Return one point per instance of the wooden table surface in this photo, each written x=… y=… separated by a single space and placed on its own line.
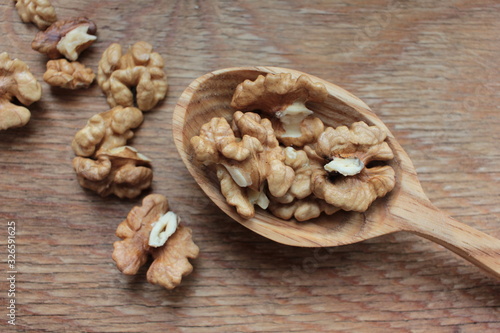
x=429 y=69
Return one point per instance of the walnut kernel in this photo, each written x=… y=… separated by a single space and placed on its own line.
x=39 y=12
x=138 y=68
x=16 y=81
x=67 y=38
x=121 y=171
x=170 y=259
x=69 y=75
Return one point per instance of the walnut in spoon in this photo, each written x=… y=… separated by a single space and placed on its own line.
x=404 y=208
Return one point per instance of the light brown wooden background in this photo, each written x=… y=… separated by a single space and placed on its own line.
x=429 y=69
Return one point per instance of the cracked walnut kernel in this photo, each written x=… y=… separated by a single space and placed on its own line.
x=355 y=147
x=170 y=258
x=244 y=166
x=16 y=81
x=121 y=171
x=283 y=99
x=67 y=38
x=69 y=75
x=39 y=12
x=139 y=69
x=107 y=130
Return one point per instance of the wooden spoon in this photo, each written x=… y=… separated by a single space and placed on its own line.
x=406 y=208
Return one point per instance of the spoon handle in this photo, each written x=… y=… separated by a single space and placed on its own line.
x=425 y=220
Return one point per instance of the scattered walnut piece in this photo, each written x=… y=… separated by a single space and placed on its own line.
x=69 y=75
x=140 y=68
x=170 y=257
x=350 y=184
x=16 y=81
x=121 y=171
x=39 y=12
x=107 y=130
x=67 y=38
x=283 y=98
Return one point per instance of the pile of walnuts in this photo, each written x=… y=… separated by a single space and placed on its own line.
x=103 y=141
x=104 y=162
x=134 y=82
x=58 y=40
x=276 y=154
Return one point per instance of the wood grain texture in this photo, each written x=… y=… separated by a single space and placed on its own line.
x=428 y=69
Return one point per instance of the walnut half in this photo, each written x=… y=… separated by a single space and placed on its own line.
x=170 y=256
x=69 y=75
x=67 y=38
x=139 y=69
x=107 y=130
x=121 y=171
x=346 y=179
x=283 y=99
x=16 y=81
x=39 y=12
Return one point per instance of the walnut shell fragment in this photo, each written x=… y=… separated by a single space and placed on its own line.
x=66 y=38
x=283 y=98
x=170 y=260
x=39 y=12
x=107 y=130
x=68 y=75
x=139 y=69
x=121 y=171
x=16 y=81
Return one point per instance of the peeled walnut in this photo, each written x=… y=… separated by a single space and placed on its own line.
x=283 y=99
x=16 y=81
x=66 y=38
x=121 y=171
x=69 y=75
x=346 y=180
x=139 y=69
x=39 y=12
x=249 y=164
x=107 y=130
x=140 y=232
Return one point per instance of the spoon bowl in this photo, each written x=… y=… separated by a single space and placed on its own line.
x=405 y=208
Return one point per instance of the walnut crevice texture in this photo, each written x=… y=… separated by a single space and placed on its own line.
x=16 y=81
x=66 y=38
x=39 y=12
x=139 y=68
x=170 y=261
x=68 y=75
x=278 y=155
